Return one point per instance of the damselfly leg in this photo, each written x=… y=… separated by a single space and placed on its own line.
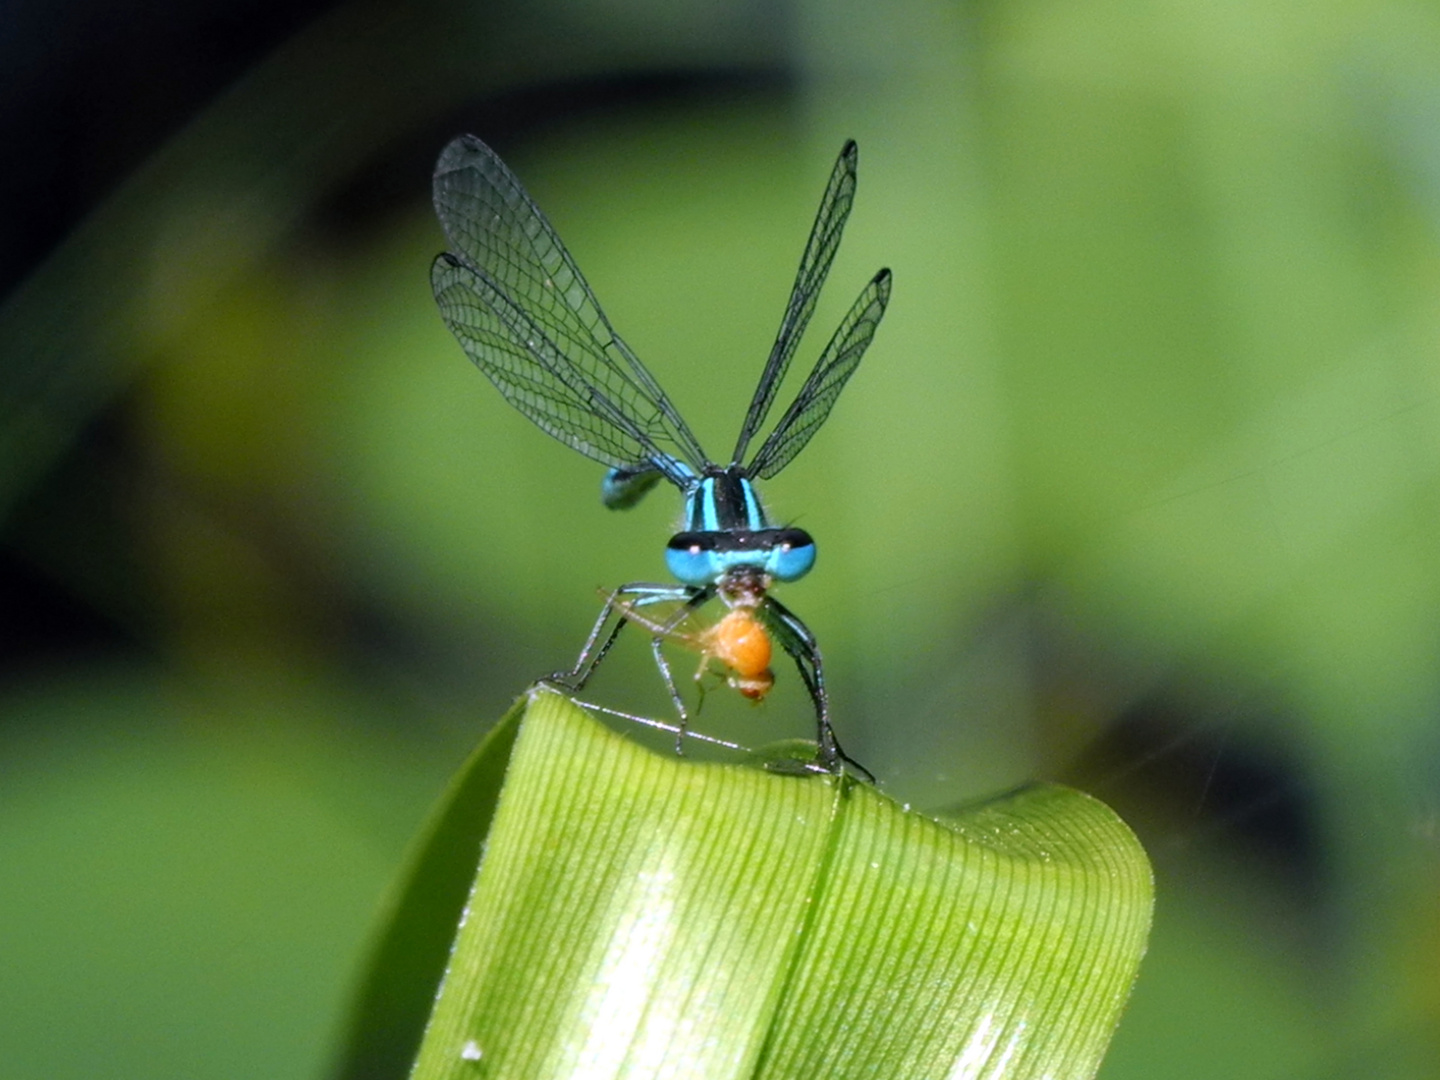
x=628 y=604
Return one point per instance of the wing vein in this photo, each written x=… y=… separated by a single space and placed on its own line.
x=524 y=314
x=831 y=372
x=814 y=267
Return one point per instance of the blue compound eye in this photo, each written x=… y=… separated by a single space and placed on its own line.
x=792 y=555
x=692 y=558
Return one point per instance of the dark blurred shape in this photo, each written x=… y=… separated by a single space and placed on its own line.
x=389 y=183
x=1233 y=791
x=71 y=583
x=1196 y=777
x=89 y=90
x=1196 y=765
x=41 y=619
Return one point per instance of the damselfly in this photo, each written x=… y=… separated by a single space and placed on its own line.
x=520 y=308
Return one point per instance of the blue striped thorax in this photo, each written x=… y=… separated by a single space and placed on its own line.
x=726 y=530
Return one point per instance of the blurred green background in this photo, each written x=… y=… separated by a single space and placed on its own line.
x=1136 y=489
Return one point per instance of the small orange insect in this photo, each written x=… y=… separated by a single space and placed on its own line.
x=739 y=643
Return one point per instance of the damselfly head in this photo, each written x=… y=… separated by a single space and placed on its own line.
x=704 y=558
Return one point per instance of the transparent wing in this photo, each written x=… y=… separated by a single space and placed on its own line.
x=524 y=314
x=527 y=368
x=834 y=368
x=814 y=266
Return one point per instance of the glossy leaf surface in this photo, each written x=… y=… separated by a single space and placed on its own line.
x=638 y=915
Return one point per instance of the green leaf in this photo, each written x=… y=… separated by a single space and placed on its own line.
x=418 y=924
x=639 y=915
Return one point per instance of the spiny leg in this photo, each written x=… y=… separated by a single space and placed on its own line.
x=623 y=606
x=700 y=597
x=617 y=606
x=664 y=666
x=660 y=631
x=797 y=640
x=659 y=725
x=667 y=629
